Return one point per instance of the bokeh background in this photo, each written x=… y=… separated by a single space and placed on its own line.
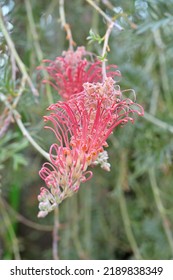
x=128 y=212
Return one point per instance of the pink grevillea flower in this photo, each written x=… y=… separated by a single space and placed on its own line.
x=70 y=71
x=62 y=176
x=91 y=116
x=81 y=126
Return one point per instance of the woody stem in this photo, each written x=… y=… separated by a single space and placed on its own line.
x=105 y=46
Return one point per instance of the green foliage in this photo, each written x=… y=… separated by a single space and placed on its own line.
x=95 y=222
x=15 y=144
x=93 y=37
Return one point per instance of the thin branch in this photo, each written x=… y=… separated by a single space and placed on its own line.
x=55 y=234
x=109 y=5
x=105 y=46
x=160 y=207
x=163 y=66
x=14 y=68
x=112 y=24
x=22 y=127
x=108 y=19
x=33 y=30
x=36 y=44
x=28 y=136
x=75 y=231
x=25 y=221
x=65 y=25
x=16 y=56
x=5 y=120
x=20 y=92
x=123 y=207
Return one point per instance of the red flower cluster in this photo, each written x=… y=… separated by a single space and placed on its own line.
x=81 y=125
x=70 y=71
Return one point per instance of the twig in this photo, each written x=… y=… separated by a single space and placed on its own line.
x=20 y=92
x=123 y=207
x=75 y=231
x=105 y=46
x=23 y=129
x=55 y=234
x=28 y=136
x=86 y=200
x=108 y=32
x=161 y=208
x=25 y=221
x=5 y=120
x=109 y=5
x=14 y=68
x=37 y=46
x=16 y=56
x=108 y=19
x=65 y=25
x=163 y=67
x=33 y=30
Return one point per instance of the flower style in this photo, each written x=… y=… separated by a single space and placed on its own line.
x=70 y=71
x=81 y=126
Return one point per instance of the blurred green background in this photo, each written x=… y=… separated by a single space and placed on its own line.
x=128 y=212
